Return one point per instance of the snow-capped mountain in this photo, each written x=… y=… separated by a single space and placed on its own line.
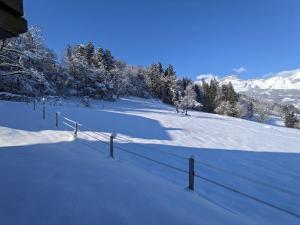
x=281 y=87
x=285 y=80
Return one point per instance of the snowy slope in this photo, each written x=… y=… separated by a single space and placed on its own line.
x=75 y=182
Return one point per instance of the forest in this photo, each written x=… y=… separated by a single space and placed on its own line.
x=29 y=68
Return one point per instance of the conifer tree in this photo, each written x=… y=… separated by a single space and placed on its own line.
x=90 y=53
x=199 y=94
x=210 y=96
x=290 y=118
x=230 y=94
x=169 y=82
x=100 y=57
x=170 y=72
x=155 y=78
x=108 y=60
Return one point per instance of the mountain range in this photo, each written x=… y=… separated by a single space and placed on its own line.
x=282 y=87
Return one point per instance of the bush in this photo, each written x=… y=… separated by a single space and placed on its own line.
x=86 y=101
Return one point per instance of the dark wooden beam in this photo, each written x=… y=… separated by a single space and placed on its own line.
x=14 y=6
x=11 y=21
x=11 y=25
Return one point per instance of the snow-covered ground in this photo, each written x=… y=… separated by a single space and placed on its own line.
x=47 y=177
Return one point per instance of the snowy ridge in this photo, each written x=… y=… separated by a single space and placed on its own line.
x=282 y=87
x=287 y=80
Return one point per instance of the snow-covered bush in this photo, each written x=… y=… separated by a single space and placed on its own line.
x=86 y=101
x=261 y=112
x=188 y=100
x=224 y=108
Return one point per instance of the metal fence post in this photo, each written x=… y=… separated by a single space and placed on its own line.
x=44 y=110
x=111 y=146
x=56 y=119
x=76 y=130
x=191 y=173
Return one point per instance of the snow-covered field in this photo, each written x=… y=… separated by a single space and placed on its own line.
x=47 y=177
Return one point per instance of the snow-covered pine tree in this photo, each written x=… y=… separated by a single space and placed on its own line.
x=90 y=53
x=169 y=85
x=155 y=75
x=290 y=118
x=108 y=60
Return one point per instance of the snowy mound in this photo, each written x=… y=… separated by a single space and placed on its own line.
x=47 y=177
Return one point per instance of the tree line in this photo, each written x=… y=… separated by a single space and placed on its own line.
x=28 y=67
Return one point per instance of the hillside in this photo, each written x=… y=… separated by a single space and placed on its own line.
x=47 y=177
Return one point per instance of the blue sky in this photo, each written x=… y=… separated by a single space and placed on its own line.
x=196 y=36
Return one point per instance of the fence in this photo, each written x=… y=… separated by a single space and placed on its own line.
x=111 y=141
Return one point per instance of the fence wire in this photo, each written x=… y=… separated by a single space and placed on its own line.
x=248 y=196
x=152 y=160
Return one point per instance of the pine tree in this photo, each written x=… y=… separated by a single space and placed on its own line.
x=290 y=118
x=100 y=57
x=210 y=96
x=160 y=68
x=169 y=82
x=231 y=96
x=155 y=78
x=170 y=72
x=199 y=94
x=108 y=60
x=90 y=53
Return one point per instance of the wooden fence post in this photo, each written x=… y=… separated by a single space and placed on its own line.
x=34 y=104
x=111 y=146
x=191 y=173
x=56 y=119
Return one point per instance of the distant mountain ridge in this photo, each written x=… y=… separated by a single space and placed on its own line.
x=285 y=80
x=281 y=87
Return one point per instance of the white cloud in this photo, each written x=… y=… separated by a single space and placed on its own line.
x=239 y=70
x=206 y=76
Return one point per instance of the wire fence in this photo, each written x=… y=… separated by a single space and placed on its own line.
x=249 y=196
x=75 y=127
